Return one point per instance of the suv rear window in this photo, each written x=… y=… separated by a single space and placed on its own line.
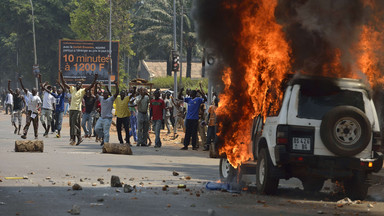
x=315 y=104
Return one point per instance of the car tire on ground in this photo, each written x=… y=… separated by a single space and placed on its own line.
x=345 y=130
x=356 y=187
x=266 y=182
x=312 y=184
x=229 y=174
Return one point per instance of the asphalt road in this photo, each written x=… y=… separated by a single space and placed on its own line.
x=51 y=174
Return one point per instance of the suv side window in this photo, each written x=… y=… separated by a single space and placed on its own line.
x=314 y=105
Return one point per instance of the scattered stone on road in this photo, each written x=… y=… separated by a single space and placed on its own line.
x=75 y=210
x=174 y=173
x=109 y=170
x=115 y=181
x=77 y=187
x=128 y=188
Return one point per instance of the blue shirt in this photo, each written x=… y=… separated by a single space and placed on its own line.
x=59 y=102
x=193 y=107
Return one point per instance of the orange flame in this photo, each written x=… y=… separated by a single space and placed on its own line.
x=253 y=86
x=264 y=62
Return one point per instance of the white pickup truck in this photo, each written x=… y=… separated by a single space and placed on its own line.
x=326 y=128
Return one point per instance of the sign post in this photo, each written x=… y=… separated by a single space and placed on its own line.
x=80 y=60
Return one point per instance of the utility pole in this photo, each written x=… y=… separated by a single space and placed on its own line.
x=34 y=42
x=110 y=45
x=174 y=47
x=181 y=41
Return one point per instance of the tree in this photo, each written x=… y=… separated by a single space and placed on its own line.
x=51 y=24
x=90 y=21
x=153 y=37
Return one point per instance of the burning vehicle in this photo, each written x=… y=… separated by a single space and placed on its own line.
x=324 y=114
x=326 y=128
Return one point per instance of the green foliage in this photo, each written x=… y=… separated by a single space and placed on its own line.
x=16 y=38
x=167 y=82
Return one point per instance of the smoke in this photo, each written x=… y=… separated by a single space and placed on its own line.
x=322 y=34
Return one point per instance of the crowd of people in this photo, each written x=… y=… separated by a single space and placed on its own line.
x=93 y=108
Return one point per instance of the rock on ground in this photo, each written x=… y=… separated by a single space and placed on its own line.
x=117 y=148
x=29 y=146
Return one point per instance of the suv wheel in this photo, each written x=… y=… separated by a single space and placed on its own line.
x=312 y=184
x=228 y=173
x=345 y=130
x=357 y=186
x=265 y=181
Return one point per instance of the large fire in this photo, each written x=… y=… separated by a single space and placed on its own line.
x=264 y=57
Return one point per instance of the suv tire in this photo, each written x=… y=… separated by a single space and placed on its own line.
x=228 y=173
x=266 y=182
x=312 y=184
x=357 y=186
x=345 y=130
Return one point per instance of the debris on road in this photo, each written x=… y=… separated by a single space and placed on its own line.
x=15 y=178
x=75 y=210
x=181 y=186
x=347 y=201
x=174 y=173
x=193 y=205
x=96 y=204
x=188 y=178
x=370 y=205
x=109 y=170
x=117 y=148
x=128 y=188
x=77 y=187
x=115 y=181
x=94 y=184
x=81 y=180
x=2 y=203
x=165 y=187
x=47 y=177
x=320 y=212
x=29 y=146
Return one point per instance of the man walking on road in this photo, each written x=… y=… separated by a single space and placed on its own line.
x=192 y=118
x=87 y=119
x=122 y=114
x=59 y=110
x=142 y=102
x=9 y=103
x=104 y=123
x=18 y=104
x=47 y=108
x=33 y=105
x=157 y=106
x=77 y=94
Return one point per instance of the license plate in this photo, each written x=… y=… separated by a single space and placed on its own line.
x=299 y=143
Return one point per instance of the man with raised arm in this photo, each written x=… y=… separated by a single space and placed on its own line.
x=192 y=117
x=104 y=122
x=59 y=111
x=33 y=105
x=18 y=104
x=48 y=106
x=77 y=93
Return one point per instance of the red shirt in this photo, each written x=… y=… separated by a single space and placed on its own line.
x=157 y=107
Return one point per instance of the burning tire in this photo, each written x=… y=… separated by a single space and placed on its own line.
x=312 y=184
x=345 y=130
x=228 y=173
x=266 y=182
x=357 y=186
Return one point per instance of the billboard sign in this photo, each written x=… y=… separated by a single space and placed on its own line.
x=80 y=60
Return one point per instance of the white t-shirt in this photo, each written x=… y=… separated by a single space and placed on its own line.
x=9 y=99
x=34 y=102
x=48 y=101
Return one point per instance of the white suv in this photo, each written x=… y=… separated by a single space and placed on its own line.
x=326 y=129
